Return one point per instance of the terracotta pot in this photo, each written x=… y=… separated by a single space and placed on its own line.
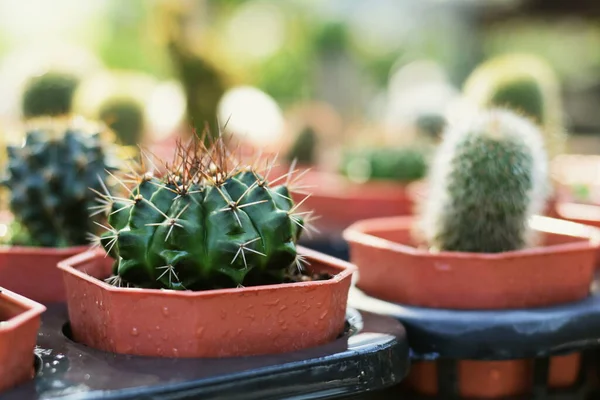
x=215 y=323
x=560 y=270
x=339 y=202
x=32 y=272
x=19 y=323
x=587 y=214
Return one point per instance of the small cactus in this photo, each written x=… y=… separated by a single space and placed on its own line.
x=50 y=94
x=526 y=85
x=206 y=224
x=125 y=116
x=489 y=176
x=304 y=148
x=49 y=179
x=401 y=164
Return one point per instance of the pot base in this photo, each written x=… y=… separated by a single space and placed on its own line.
x=491 y=379
x=371 y=355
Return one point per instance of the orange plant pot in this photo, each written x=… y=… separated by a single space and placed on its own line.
x=560 y=270
x=32 y=272
x=340 y=202
x=19 y=323
x=214 y=323
x=587 y=214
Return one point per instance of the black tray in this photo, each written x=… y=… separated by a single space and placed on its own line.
x=451 y=335
x=372 y=354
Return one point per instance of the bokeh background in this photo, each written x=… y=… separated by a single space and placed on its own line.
x=356 y=70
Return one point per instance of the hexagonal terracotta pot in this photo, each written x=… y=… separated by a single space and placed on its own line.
x=339 y=202
x=19 y=323
x=394 y=268
x=214 y=323
x=588 y=214
x=32 y=272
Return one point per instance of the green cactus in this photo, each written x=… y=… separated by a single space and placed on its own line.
x=401 y=164
x=489 y=176
x=50 y=94
x=431 y=125
x=48 y=179
x=203 y=225
x=526 y=85
x=125 y=117
x=304 y=148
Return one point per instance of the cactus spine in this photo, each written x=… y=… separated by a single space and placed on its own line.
x=49 y=179
x=50 y=94
x=525 y=84
x=489 y=176
x=206 y=224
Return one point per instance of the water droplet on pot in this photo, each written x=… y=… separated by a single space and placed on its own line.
x=495 y=374
x=149 y=336
x=175 y=352
x=53 y=370
x=283 y=307
x=165 y=337
x=239 y=331
x=223 y=314
x=324 y=314
x=158 y=327
x=159 y=351
x=134 y=332
x=319 y=304
x=87 y=377
x=54 y=362
x=200 y=332
x=165 y=311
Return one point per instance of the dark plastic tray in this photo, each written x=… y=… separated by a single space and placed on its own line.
x=493 y=335
x=372 y=354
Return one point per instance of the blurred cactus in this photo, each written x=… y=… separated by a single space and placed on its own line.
x=304 y=148
x=401 y=164
x=528 y=86
x=431 y=125
x=247 y=228
x=49 y=179
x=489 y=176
x=50 y=94
x=125 y=116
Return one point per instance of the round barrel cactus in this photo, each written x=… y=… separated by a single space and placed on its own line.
x=50 y=94
x=49 y=177
x=400 y=164
x=125 y=116
x=207 y=223
x=526 y=85
x=489 y=177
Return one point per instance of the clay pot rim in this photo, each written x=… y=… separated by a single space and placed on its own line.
x=578 y=211
x=32 y=309
x=41 y=251
x=345 y=268
x=349 y=189
x=590 y=238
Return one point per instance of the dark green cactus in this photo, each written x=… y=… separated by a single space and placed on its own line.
x=50 y=94
x=490 y=175
x=304 y=148
x=203 y=226
x=49 y=179
x=125 y=117
x=431 y=125
x=401 y=164
x=526 y=85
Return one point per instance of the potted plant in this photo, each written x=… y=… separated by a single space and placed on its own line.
x=48 y=179
x=19 y=323
x=204 y=263
x=478 y=245
x=527 y=85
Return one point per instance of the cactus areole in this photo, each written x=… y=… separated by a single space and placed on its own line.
x=208 y=223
